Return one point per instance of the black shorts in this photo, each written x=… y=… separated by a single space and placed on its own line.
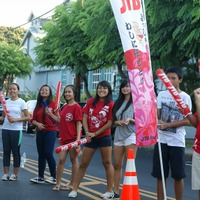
x=173 y=158
x=99 y=142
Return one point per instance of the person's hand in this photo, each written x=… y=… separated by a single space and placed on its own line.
x=128 y=120
x=121 y=123
x=162 y=125
x=11 y=119
x=90 y=135
x=48 y=111
x=40 y=126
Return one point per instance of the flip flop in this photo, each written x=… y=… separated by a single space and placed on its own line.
x=56 y=188
x=66 y=188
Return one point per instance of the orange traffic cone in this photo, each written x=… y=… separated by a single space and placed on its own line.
x=130 y=189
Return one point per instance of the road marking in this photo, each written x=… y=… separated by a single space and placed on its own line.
x=87 y=181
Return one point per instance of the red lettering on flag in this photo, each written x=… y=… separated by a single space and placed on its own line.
x=126 y=5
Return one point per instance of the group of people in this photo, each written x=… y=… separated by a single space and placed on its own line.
x=97 y=117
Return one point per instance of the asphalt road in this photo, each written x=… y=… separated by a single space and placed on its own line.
x=92 y=185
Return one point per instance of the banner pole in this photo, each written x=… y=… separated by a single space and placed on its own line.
x=161 y=167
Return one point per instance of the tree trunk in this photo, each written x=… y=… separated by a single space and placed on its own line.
x=77 y=83
x=84 y=78
x=120 y=71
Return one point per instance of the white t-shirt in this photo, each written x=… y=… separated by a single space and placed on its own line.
x=170 y=113
x=15 y=108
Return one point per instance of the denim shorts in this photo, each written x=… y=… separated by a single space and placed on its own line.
x=105 y=141
x=173 y=158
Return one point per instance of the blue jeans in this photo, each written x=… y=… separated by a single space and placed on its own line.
x=45 y=141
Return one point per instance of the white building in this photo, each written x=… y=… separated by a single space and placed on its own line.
x=40 y=75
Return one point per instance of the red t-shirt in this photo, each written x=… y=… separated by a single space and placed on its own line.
x=98 y=116
x=196 y=145
x=68 y=118
x=50 y=123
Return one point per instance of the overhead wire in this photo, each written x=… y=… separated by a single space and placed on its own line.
x=39 y=16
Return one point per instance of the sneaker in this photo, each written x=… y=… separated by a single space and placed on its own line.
x=116 y=196
x=5 y=177
x=107 y=195
x=72 y=194
x=13 y=177
x=37 y=180
x=51 y=180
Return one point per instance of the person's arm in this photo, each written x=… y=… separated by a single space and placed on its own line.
x=174 y=124
x=78 y=130
x=25 y=117
x=197 y=101
x=55 y=116
x=2 y=117
x=39 y=125
x=158 y=113
x=192 y=119
x=98 y=132
x=104 y=128
x=85 y=123
x=124 y=122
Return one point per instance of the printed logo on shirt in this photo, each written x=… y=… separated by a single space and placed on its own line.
x=96 y=121
x=69 y=117
x=170 y=114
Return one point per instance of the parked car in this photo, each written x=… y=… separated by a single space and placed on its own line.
x=30 y=106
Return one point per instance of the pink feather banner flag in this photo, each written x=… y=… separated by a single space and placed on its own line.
x=131 y=21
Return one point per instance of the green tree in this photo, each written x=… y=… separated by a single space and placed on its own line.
x=13 y=63
x=174 y=36
x=98 y=22
x=64 y=44
x=11 y=35
x=82 y=36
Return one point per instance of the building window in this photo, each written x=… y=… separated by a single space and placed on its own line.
x=96 y=78
x=108 y=74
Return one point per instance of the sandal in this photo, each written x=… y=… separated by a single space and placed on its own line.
x=56 y=188
x=66 y=188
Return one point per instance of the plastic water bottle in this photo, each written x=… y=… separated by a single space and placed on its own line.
x=23 y=160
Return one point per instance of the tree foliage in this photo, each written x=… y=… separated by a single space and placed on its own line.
x=84 y=36
x=75 y=38
x=174 y=36
x=13 y=63
x=11 y=35
x=12 y=60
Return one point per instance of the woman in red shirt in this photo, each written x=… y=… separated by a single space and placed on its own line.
x=97 y=120
x=195 y=121
x=46 y=134
x=70 y=131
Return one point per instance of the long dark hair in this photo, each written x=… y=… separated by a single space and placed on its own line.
x=39 y=98
x=120 y=100
x=108 y=98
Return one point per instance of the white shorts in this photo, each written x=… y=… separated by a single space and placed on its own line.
x=126 y=142
x=195 y=171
